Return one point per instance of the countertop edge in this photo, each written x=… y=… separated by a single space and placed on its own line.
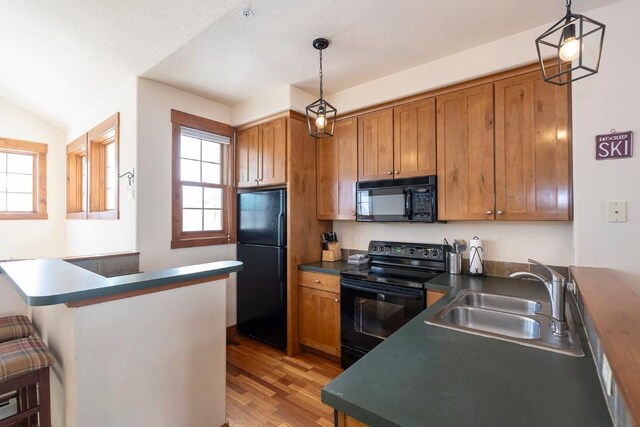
x=120 y=284
x=625 y=301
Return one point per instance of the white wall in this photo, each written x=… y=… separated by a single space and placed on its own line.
x=33 y=238
x=93 y=236
x=609 y=100
x=512 y=241
x=155 y=102
x=36 y=238
x=281 y=99
x=115 y=366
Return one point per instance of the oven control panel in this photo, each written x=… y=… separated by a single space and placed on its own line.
x=423 y=251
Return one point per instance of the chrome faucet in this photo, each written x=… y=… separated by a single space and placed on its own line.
x=555 y=287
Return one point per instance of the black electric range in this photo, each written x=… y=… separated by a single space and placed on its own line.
x=376 y=300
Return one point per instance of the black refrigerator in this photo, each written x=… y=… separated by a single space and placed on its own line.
x=262 y=283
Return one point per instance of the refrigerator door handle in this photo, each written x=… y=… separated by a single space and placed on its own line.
x=280 y=228
x=281 y=269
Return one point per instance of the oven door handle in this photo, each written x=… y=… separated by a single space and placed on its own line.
x=413 y=294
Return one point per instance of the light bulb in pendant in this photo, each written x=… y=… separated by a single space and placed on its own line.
x=570 y=48
x=321 y=121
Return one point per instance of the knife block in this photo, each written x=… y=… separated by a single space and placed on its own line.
x=334 y=253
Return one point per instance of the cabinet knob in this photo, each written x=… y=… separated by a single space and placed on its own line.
x=336 y=300
x=353 y=213
x=489 y=212
x=500 y=212
x=317 y=281
x=396 y=172
x=390 y=173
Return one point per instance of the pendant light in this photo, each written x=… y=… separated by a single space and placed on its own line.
x=575 y=42
x=321 y=116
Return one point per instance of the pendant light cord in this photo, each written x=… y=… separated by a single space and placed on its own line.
x=568 y=5
x=320 y=73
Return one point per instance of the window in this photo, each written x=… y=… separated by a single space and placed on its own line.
x=77 y=178
x=203 y=202
x=92 y=172
x=23 y=179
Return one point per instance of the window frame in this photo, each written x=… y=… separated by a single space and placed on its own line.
x=187 y=239
x=39 y=152
x=92 y=145
x=76 y=151
x=97 y=140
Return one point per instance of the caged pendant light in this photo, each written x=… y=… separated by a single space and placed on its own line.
x=576 y=43
x=321 y=116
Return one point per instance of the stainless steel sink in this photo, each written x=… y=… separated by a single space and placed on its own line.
x=495 y=322
x=501 y=303
x=518 y=320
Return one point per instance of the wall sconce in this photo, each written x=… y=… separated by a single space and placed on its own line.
x=131 y=177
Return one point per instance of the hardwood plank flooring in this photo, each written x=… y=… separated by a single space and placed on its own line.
x=267 y=388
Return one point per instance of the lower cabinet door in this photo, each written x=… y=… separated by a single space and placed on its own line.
x=320 y=320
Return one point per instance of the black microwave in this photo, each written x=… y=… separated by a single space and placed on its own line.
x=397 y=200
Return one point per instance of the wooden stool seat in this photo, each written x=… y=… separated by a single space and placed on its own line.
x=15 y=327
x=24 y=375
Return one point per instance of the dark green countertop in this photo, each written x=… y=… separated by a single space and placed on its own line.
x=424 y=375
x=54 y=281
x=326 y=267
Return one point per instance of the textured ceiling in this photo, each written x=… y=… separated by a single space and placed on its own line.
x=59 y=55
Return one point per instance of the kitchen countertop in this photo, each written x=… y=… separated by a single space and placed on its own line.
x=427 y=375
x=54 y=281
x=326 y=267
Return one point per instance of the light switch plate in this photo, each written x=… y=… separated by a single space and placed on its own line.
x=617 y=212
x=606 y=375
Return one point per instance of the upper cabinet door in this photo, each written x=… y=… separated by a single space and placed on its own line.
x=248 y=153
x=273 y=152
x=375 y=145
x=533 y=153
x=465 y=154
x=415 y=139
x=338 y=172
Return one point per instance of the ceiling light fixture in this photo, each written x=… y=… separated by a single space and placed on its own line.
x=321 y=116
x=576 y=43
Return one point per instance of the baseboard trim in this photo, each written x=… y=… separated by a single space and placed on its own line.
x=232 y=331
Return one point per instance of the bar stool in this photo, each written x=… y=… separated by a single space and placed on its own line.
x=24 y=375
x=15 y=327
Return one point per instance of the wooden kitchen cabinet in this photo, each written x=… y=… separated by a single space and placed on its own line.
x=414 y=140
x=375 y=145
x=262 y=154
x=338 y=172
x=434 y=296
x=533 y=153
x=319 y=311
x=465 y=155
x=248 y=150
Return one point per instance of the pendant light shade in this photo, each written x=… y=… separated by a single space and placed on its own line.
x=321 y=116
x=575 y=41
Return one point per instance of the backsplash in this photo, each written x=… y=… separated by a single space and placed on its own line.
x=109 y=265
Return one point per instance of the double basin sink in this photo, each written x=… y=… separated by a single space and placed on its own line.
x=518 y=320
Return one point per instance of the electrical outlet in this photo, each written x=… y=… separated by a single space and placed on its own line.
x=617 y=212
x=606 y=375
x=351 y=241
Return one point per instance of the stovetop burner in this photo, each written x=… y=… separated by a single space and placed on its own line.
x=400 y=264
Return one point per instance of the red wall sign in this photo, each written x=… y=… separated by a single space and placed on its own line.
x=616 y=145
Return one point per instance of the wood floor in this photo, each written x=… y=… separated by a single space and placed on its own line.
x=265 y=387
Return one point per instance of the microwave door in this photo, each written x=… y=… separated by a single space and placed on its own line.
x=408 y=202
x=381 y=204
